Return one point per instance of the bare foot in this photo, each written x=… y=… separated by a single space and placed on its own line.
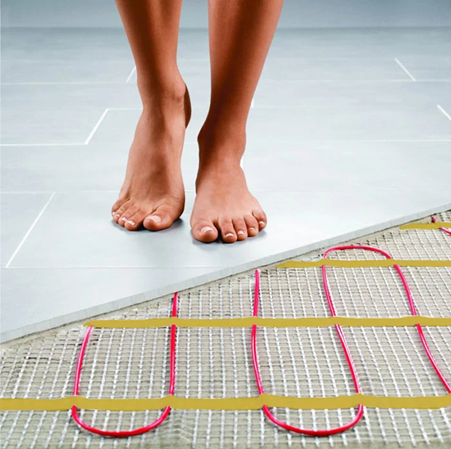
x=153 y=194
x=224 y=206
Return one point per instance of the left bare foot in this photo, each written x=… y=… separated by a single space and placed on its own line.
x=223 y=203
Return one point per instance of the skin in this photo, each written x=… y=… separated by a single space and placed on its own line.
x=152 y=195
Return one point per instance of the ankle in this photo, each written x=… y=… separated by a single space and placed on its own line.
x=160 y=94
x=221 y=146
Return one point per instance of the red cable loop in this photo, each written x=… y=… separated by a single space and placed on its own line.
x=270 y=416
x=446 y=231
x=141 y=430
x=328 y=432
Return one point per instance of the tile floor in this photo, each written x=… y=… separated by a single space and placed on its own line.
x=350 y=132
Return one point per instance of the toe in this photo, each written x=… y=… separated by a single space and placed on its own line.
x=240 y=228
x=116 y=206
x=204 y=231
x=135 y=221
x=162 y=218
x=120 y=212
x=128 y=214
x=227 y=230
x=260 y=217
x=119 y=202
x=252 y=225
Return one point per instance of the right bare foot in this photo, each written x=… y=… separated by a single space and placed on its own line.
x=153 y=194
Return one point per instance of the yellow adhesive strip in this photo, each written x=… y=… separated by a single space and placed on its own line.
x=254 y=403
x=436 y=225
x=364 y=263
x=273 y=322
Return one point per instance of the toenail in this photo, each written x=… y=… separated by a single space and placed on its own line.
x=123 y=219
x=230 y=234
x=251 y=229
x=206 y=229
x=262 y=223
x=155 y=218
x=240 y=232
x=131 y=222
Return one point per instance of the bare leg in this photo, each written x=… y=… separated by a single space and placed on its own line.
x=240 y=36
x=153 y=194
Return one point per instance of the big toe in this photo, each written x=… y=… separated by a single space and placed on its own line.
x=204 y=231
x=162 y=218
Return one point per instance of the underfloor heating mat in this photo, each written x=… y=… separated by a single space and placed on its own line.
x=217 y=362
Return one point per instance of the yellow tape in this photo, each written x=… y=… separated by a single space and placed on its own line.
x=436 y=225
x=273 y=322
x=364 y=263
x=254 y=403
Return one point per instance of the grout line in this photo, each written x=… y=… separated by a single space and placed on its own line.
x=131 y=75
x=405 y=70
x=29 y=230
x=444 y=112
x=96 y=127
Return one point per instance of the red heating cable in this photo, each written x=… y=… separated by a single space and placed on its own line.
x=324 y=432
x=269 y=415
x=139 y=431
x=328 y=432
x=446 y=231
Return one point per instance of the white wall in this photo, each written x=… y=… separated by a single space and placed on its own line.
x=297 y=13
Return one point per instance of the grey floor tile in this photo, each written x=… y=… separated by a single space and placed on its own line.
x=346 y=166
x=342 y=208
x=95 y=167
x=31 y=126
x=59 y=114
x=66 y=71
x=347 y=123
x=56 y=97
x=65 y=44
x=117 y=128
x=379 y=69
x=341 y=94
x=360 y=42
x=444 y=110
x=50 y=298
x=19 y=211
x=435 y=68
x=76 y=231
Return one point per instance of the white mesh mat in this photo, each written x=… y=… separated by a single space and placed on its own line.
x=216 y=362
